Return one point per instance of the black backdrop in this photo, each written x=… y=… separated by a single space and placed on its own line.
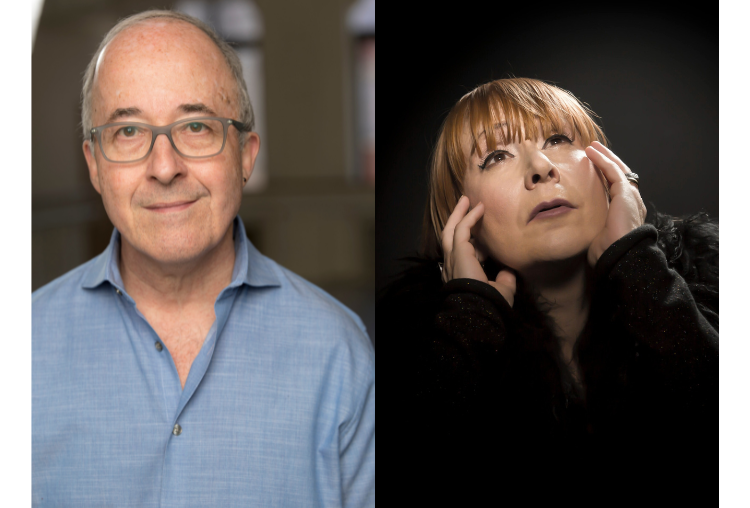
x=652 y=77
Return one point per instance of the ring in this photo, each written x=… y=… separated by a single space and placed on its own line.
x=632 y=177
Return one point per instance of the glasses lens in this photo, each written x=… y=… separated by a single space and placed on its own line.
x=199 y=138
x=123 y=143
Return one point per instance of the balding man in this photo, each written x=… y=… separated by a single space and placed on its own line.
x=181 y=367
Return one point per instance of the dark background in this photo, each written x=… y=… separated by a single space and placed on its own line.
x=652 y=77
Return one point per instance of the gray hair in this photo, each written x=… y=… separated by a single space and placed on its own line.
x=243 y=99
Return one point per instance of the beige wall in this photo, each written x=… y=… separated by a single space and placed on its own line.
x=311 y=218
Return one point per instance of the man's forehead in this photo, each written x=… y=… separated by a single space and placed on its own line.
x=156 y=35
x=173 y=56
x=153 y=31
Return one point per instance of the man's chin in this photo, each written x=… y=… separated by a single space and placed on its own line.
x=172 y=248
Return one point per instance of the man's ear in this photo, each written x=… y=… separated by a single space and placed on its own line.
x=91 y=162
x=249 y=154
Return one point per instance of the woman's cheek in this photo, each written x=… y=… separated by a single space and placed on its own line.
x=496 y=234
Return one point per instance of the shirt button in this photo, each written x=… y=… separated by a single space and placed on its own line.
x=118 y=291
x=177 y=430
x=158 y=346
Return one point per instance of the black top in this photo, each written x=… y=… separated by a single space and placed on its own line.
x=486 y=392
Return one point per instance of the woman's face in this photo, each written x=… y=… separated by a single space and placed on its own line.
x=515 y=179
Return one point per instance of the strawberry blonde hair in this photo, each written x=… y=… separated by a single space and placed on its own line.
x=520 y=103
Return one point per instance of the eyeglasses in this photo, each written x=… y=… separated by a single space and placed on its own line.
x=194 y=138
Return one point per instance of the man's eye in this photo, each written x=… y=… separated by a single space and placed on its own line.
x=196 y=127
x=128 y=131
x=495 y=157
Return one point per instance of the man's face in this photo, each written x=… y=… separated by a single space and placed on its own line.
x=167 y=207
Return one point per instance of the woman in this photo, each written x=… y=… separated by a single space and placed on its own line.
x=548 y=315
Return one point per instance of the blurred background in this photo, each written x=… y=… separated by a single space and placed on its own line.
x=310 y=71
x=651 y=74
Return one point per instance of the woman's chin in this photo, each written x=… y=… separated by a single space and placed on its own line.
x=552 y=256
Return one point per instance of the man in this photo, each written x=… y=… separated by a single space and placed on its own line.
x=181 y=367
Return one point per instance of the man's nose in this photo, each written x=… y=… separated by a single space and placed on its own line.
x=164 y=163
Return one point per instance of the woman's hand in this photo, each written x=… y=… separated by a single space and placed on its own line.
x=626 y=208
x=461 y=259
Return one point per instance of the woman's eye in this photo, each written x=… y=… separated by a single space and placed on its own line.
x=495 y=157
x=557 y=139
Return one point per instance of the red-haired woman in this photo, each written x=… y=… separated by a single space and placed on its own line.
x=549 y=317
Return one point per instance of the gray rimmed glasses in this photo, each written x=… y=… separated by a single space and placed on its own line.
x=194 y=138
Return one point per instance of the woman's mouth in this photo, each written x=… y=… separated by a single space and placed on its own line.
x=552 y=208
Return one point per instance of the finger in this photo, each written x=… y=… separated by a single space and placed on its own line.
x=507 y=293
x=458 y=213
x=462 y=232
x=609 y=168
x=507 y=278
x=481 y=256
x=505 y=283
x=611 y=156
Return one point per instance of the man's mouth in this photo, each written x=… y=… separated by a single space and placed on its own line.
x=174 y=206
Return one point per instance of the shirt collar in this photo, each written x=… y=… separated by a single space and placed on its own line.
x=250 y=266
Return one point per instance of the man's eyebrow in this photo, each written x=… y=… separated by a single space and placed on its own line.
x=196 y=108
x=121 y=112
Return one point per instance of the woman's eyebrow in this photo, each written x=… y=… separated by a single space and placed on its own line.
x=497 y=125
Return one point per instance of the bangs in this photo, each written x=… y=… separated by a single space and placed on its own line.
x=503 y=111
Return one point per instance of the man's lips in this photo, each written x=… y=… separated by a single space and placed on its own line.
x=174 y=206
x=547 y=205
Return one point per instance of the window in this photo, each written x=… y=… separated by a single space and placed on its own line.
x=361 y=25
x=240 y=23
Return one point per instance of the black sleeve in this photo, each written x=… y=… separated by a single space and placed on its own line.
x=447 y=336
x=488 y=369
x=673 y=347
x=469 y=335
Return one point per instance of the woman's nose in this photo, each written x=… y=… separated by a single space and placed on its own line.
x=540 y=170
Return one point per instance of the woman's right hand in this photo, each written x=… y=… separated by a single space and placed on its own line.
x=461 y=259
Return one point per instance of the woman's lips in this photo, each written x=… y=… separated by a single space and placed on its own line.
x=550 y=209
x=554 y=212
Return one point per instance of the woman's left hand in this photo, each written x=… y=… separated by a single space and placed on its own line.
x=626 y=208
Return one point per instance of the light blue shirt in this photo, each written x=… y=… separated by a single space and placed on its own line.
x=278 y=408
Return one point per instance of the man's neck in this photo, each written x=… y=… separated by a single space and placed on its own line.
x=177 y=285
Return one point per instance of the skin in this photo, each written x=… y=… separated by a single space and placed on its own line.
x=555 y=255
x=174 y=214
